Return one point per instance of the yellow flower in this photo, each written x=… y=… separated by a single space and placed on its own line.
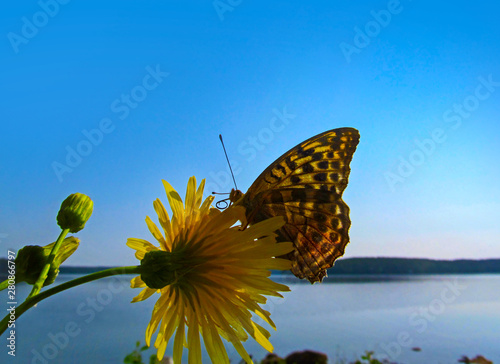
x=216 y=274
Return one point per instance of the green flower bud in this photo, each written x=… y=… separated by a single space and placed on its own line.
x=31 y=259
x=159 y=269
x=29 y=262
x=74 y=212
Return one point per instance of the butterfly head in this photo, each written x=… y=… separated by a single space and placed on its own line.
x=235 y=195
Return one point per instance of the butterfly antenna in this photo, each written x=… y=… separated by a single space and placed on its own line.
x=232 y=174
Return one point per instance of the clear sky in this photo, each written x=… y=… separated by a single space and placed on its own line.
x=108 y=98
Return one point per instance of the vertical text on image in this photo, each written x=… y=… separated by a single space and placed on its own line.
x=11 y=302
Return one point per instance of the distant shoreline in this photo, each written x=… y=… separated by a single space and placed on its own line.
x=417 y=266
x=364 y=266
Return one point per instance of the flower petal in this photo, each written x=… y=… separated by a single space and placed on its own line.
x=194 y=340
x=175 y=202
x=190 y=195
x=155 y=232
x=179 y=341
x=213 y=343
x=164 y=220
x=141 y=246
x=145 y=293
x=137 y=282
x=199 y=193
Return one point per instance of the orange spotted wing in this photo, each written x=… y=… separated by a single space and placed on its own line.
x=305 y=186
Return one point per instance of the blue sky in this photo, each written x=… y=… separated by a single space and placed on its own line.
x=109 y=98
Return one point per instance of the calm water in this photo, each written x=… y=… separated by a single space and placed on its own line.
x=446 y=316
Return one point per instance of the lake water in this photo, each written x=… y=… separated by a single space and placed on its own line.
x=445 y=316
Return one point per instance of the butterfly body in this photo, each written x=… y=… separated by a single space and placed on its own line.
x=305 y=186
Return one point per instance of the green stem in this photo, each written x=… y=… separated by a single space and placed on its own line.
x=31 y=301
x=4 y=285
x=45 y=272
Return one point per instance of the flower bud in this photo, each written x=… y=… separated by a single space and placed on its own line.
x=75 y=211
x=29 y=263
x=159 y=269
x=31 y=259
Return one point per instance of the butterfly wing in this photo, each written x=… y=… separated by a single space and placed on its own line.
x=305 y=186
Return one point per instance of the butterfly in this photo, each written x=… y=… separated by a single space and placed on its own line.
x=305 y=186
